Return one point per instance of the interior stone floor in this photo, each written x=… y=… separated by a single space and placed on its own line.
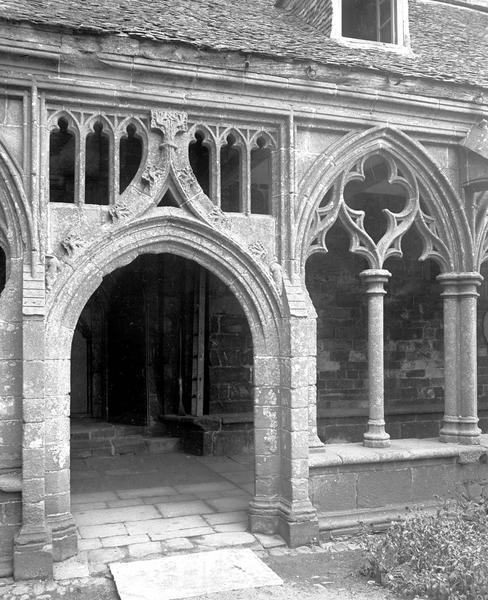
x=133 y=506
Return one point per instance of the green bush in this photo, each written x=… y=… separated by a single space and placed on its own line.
x=441 y=557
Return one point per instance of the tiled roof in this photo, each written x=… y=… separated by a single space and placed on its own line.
x=449 y=43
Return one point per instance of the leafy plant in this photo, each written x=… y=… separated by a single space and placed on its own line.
x=441 y=556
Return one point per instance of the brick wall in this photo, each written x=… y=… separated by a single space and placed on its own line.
x=413 y=343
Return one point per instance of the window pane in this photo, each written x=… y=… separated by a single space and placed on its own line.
x=368 y=20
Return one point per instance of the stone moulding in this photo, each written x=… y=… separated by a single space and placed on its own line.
x=11 y=482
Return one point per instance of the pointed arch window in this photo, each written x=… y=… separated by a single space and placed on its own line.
x=130 y=153
x=261 y=176
x=62 y=149
x=199 y=156
x=230 y=175
x=97 y=166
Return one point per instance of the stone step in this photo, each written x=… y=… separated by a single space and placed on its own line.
x=130 y=444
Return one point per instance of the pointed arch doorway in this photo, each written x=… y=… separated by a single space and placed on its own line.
x=163 y=346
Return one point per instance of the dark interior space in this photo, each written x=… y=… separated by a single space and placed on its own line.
x=62 y=147
x=97 y=169
x=261 y=179
x=230 y=176
x=199 y=156
x=3 y=269
x=130 y=157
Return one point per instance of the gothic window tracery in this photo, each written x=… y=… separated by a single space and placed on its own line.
x=95 y=157
x=377 y=202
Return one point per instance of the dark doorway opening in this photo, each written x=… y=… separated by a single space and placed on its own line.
x=164 y=345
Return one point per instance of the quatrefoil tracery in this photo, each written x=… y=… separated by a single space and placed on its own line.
x=376 y=249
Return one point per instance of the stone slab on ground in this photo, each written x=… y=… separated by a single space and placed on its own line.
x=189 y=575
x=72 y=568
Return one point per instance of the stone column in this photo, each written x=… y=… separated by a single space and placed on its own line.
x=460 y=423
x=264 y=507
x=298 y=523
x=33 y=545
x=376 y=436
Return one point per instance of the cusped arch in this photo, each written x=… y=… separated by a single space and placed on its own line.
x=261 y=134
x=73 y=124
x=173 y=233
x=440 y=198
x=208 y=135
x=240 y=140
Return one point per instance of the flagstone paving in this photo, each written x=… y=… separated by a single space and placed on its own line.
x=130 y=507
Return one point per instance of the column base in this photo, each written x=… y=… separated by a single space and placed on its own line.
x=264 y=515
x=33 y=553
x=376 y=436
x=298 y=523
x=64 y=537
x=314 y=442
x=459 y=430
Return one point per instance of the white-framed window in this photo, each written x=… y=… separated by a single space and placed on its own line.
x=371 y=22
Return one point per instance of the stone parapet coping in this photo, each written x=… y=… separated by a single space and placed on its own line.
x=11 y=482
x=332 y=455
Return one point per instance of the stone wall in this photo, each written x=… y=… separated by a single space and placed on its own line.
x=367 y=489
x=10 y=408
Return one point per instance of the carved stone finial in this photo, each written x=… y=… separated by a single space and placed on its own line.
x=53 y=268
x=170 y=124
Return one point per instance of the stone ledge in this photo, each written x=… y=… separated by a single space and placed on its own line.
x=11 y=482
x=350 y=522
x=333 y=455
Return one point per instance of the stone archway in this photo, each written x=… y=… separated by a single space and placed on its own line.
x=276 y=504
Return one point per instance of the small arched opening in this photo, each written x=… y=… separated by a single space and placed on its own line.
x=97 y=166
x=62 y=160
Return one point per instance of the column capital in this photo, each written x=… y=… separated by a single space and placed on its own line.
x=460 y=284
x=375 y=279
